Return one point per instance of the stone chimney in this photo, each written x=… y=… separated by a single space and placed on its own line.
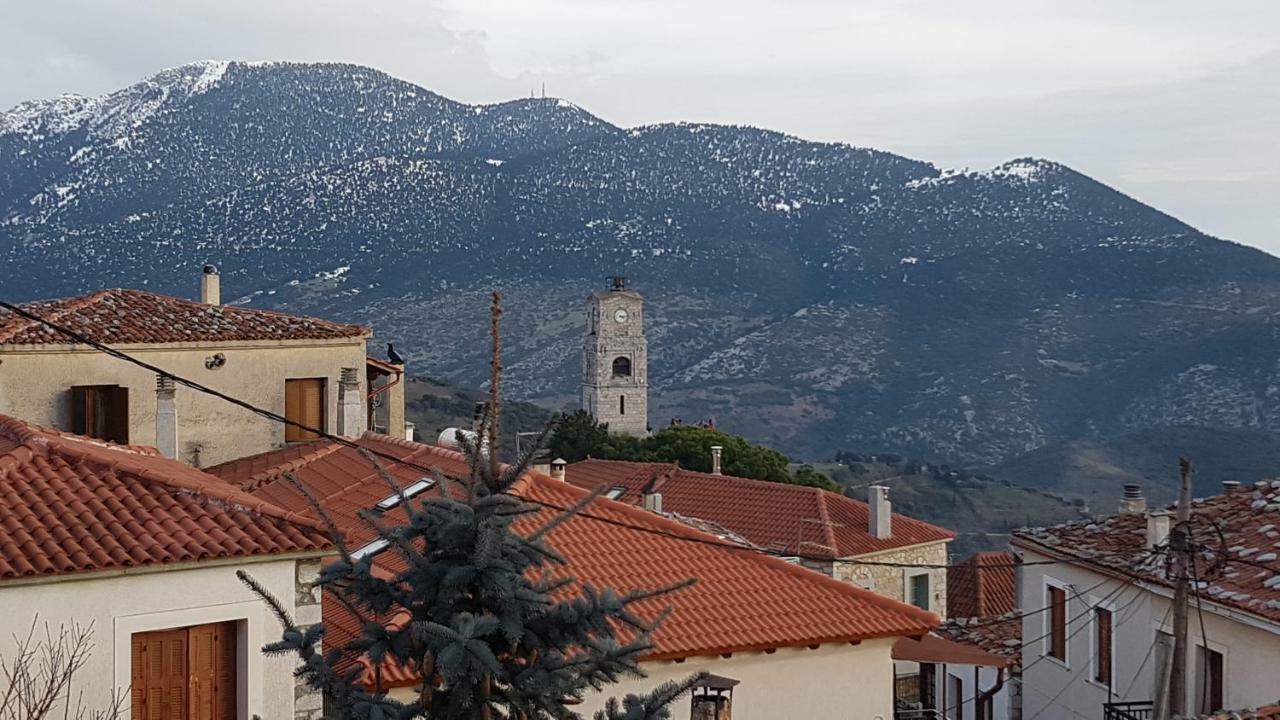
x=210 y=286
x=351 y=415
x=880 y=513
x=653 y=502
x=1158 y=524
x=166 y=417
x=716 y=452
x=1132 y=501
x=557 y=469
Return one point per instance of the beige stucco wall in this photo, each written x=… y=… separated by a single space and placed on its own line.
x=892 y=581
x=833 y=681
x=34 y=383
x=121 y=605
x=1062 y=691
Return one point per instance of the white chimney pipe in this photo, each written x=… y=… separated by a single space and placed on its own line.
x=351 y=416
x=1158 y=524
x=653 y=502
x=880 y=513
x=557 y=469
x=408 y=430
x=166 y=417
x=716 y=450
x=210 y=286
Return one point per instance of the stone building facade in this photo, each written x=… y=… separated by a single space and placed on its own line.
x=896 y=582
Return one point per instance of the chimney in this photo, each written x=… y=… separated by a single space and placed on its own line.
x=351 y=415
x=653 y=502
x=1133 y=502
x=210 y=286
x=1230 y=486
x=166 y=417
x=1158 y=524
x=716 y=451
x=880 y=515
x=408 y=430
x=557 y=469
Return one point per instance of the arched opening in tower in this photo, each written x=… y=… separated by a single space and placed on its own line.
x=622 y=367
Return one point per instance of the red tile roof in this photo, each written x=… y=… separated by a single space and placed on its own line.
x=937 y=648
x=982 y=585
x=70 y=504
x=791 y=519
x=1269 y=712
x=743 y=601
x=1238 y=531
x=135 y=316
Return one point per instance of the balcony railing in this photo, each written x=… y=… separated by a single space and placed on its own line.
x=918 y=714
x=1139 y=710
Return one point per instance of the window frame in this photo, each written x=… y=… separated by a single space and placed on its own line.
x=1047 y=624
x=83 y=399
x=1201 y=651
x=908 y=575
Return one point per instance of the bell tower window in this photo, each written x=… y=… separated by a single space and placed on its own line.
x=622 y=367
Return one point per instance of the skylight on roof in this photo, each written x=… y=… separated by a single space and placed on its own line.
x=391 y=501
x=615 y=493
x=372 y=548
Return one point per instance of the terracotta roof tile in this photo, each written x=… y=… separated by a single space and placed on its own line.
x=120 y=316
x=1243 y=526
x=1269 y=712
x=791 y=519
x=982 y=586
x=743 y=600
x=71 y=504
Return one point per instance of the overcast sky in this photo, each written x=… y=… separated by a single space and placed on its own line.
x=1176 y=102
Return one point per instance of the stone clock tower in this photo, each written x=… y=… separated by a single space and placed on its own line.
x=615 y=360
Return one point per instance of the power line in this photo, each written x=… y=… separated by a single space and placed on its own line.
x=347 y=442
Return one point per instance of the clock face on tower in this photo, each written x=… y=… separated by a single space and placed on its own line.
x=620 y=315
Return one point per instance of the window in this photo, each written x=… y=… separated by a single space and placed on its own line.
x=185 y=674
x=101 y=411
x=622 y=367
x=304 y=403
x=918 y=590
x=1056 y=600
x=1208 y=679
x=622 y=404
x=410 y=492
x=955 y=696
x=615 y=493
x=1102 y=633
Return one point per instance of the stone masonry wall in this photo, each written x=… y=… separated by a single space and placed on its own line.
x=308 y=702
x=892 y=581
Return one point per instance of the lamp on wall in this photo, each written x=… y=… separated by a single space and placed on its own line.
x=215 y=361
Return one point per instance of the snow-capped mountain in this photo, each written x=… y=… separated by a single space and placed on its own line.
x=815 y=295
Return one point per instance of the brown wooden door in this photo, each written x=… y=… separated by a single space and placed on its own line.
x=304 y=403
x=160 y=669
x=186 y=674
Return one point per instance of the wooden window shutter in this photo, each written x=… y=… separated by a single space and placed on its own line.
x=224 y=671
x=304 y=403
x=1058 y=623
x=1102 y=669
x=200 y=700
x=117 y=414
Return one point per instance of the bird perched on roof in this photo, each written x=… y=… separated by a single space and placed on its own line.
x=394 y=356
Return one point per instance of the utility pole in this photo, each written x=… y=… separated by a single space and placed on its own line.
x=1180 y=546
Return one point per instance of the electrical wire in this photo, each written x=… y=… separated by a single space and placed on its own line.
x=425 y=470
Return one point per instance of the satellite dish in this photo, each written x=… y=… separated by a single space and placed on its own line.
x=449 y=438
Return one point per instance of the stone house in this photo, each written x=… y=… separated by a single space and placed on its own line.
x=865 y=545
x=790 y=642
x=145 y=550
x=1107 y=595
x=309 y=370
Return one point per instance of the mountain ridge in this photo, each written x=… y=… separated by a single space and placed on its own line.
x=818 y=296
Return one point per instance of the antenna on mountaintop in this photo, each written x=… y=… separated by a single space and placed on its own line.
x=544 y=89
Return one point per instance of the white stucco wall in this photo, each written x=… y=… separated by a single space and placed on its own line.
x=970 y=686
x=1053 y=690
x=35 y=383
x=833 y=681
x=121 y=605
